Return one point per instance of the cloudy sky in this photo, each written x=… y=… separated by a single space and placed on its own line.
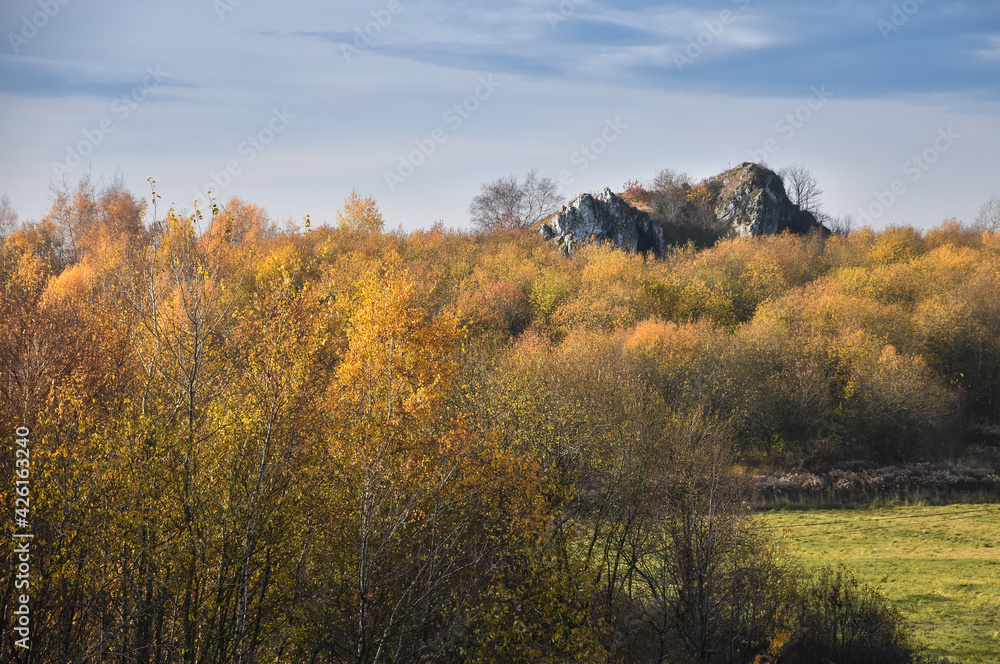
x=894 y=105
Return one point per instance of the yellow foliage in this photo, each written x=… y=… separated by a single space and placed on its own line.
x=240 y=224
x=946 y=268
x=896 y=244
x=540 y=616
x=614 y=292
x=823 y=310
x=498 y=308
x=953 y=232
x=548 y=291
x=72 y=285
x=704 y=193
x=360 y=214
x=666 y=346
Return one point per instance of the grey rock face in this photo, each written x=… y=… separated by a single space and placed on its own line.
x=604 y=217
x=752 y=200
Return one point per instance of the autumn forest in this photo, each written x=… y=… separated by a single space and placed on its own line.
x=338 y=443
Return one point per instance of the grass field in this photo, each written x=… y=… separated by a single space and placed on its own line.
x=940 y=565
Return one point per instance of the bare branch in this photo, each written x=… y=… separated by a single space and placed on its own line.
x=801 y=187
x=988 y=218
x=505 y=204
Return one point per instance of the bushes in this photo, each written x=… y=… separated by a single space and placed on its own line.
x=836 y=618
x=913 y=481
x=868 y=345
x=961 y=338
x=636 y=192
x=895 y=408
x=684 y=211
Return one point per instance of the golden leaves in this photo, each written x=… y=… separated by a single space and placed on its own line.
x=399 y=358
x=360 y=214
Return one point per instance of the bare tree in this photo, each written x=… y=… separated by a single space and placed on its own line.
x=670 y=193
x=505 y=204
x=704 y=564
x=989 y=215
x=8 y=217
x=801 y=187
x=837 y=225
x=691 y=220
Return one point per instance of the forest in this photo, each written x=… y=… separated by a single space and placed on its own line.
x=254 y=442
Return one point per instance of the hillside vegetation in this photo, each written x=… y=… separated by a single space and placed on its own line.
x=349 y=445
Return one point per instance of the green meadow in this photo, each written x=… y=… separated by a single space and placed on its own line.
x=940 y=565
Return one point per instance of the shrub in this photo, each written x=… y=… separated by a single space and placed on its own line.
x=635 y=192
x=836 y=618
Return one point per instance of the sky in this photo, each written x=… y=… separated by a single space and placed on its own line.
x=893 y=105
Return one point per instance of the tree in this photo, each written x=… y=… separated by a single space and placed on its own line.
x=670 y=193
x=714 y=582
x=241 y=224
x=685 y=215
x=838 y=225
x=8 y=217
x=360 y=214
x=989 y=215
x=184 y=297
x=421 y=509
x=505 y=204
x=801 y=187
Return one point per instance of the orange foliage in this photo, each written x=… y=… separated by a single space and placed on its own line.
x=704 y=193
x=635 y=192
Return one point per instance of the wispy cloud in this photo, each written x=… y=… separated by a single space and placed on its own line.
x=561 y=79
x=766 y=46
x=46 y=77
x=992 y=51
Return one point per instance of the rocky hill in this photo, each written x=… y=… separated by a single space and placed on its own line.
x=604 y=217
x=752 y=201
x=747 y=200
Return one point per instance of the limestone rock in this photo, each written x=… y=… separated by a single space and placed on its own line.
x=751 y=199
x=604 y=217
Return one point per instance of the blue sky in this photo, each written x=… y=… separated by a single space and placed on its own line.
x=894 y=106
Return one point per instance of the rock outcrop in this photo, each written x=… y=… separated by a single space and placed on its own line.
x=604 y=217
x=751 y=200
x=747 y=200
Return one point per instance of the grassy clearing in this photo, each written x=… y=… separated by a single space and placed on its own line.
x=940 y=565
